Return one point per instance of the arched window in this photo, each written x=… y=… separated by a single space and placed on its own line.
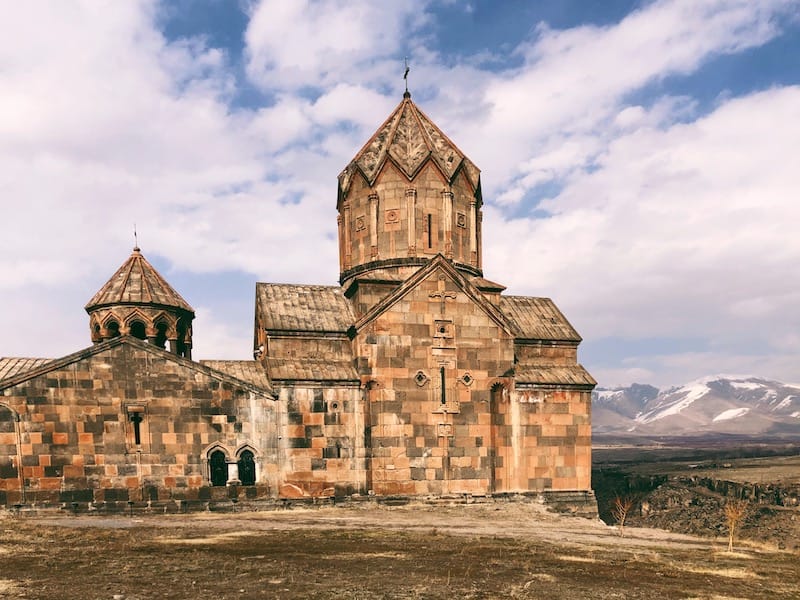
x=138 y=330
x=113 y=329
x=247 y=468
x=161 y=334
x=181 y=346
x=218 y=467
x=497 y=395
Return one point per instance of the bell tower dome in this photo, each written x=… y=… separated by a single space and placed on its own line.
x=138 y=301
x=408 y=195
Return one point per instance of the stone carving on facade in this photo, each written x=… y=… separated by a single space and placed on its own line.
x=408 y=147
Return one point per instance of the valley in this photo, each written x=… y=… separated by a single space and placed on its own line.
x=682 y=484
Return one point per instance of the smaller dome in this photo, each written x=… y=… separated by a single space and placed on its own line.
x=137 y=282
x=138 y=301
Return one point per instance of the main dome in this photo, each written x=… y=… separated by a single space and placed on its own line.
x=409 y=139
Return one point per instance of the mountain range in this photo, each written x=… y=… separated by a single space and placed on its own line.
x=719 y=404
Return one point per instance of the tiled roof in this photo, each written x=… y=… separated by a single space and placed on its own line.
x=559 y=375
x=246 y=370
x=537 y=319
x=486 y=285
x=409 y=137
x=9 y=367
x=311 y=369
x=48 y=365
x=137 y=282
x=311 y=308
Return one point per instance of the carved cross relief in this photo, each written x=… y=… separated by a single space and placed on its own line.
x=442 y=295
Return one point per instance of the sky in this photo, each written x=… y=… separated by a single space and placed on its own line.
x=640 y=161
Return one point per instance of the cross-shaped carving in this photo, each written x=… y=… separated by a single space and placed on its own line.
x=442 y=295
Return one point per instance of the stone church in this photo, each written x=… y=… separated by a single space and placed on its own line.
x=415 y=376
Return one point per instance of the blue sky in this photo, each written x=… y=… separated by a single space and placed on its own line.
x=639 y=161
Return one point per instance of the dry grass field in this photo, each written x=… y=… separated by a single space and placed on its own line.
x=471 y=551
x=783 y=470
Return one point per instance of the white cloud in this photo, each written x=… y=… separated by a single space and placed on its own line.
x=318 y=43
x=687 y=230
x=574 y=82
x=661 y=222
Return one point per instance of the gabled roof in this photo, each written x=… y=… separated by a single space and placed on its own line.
x=538 y=319
x=137 y=282
x=246 y=370
x=486 y=285
x=311 y=369
x=570 y=375
x=409 y=138
x=52 y=365
x=11 y=366
x=439 y=262
x=303 y=308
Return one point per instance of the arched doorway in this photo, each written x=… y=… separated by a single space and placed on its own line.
x=218 y=467
x=247 y=468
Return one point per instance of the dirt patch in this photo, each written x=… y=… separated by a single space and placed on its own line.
x=505 y=551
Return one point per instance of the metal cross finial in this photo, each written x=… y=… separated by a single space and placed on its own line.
x=135 y=238
x=405 y=76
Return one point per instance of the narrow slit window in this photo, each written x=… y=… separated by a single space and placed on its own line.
x=136 y=418
x=429 y=228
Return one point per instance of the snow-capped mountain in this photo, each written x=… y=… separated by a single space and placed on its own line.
x=716 y=404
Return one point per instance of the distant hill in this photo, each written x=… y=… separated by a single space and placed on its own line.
x=717 y=404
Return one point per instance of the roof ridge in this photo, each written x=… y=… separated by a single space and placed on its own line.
x=315 y=285
x=425 y=135
x=145 y=284
x=95 y=349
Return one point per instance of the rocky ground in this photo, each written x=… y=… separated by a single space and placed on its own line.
x=689 y=494
x=509 y=550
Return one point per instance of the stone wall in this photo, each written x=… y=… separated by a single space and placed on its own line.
x=396 y=218
x=77 y=439
x=544 y=440
x=322 y=441
x=423 y=441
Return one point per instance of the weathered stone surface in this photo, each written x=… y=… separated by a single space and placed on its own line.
x=415 y=376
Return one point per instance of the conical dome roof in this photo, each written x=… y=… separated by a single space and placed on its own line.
x=137 y=282
x=409 y=139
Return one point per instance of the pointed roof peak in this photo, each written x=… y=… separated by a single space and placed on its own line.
x=409 y=138
x=138 y=282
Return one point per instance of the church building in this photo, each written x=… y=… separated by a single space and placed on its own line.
x=416 y=376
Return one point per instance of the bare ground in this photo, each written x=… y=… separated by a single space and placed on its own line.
x=471 y=551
